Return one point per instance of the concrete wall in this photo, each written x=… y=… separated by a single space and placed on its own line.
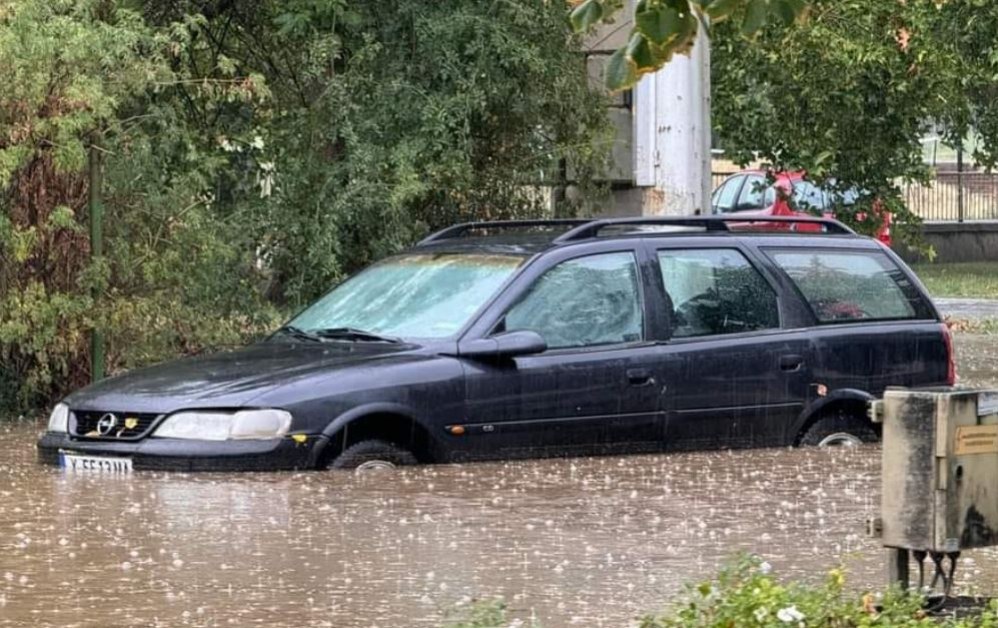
x=962 y=241
x=661 y=151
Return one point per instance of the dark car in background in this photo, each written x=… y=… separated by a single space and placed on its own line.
x=760 y=194
x=504 y=340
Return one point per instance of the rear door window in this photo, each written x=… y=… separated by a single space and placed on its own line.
x=716 y=291
x=844 y=286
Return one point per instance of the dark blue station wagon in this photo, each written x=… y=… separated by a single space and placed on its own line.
x=540 y=338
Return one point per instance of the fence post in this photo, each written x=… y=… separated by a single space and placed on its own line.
x=96 y=207
x=959 y=181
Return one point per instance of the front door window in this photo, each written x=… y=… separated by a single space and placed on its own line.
x=583 y=302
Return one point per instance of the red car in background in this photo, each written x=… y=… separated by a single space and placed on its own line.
x=750 y=193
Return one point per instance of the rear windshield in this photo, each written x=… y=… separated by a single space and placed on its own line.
x=844 y=286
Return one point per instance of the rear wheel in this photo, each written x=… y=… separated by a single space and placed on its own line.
x=373 y=455
x=840 y=429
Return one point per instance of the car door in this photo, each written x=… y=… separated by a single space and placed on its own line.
x=594 y=388
x=734 y=377
x=874 y=327
x=725 y=197
x=752 y=196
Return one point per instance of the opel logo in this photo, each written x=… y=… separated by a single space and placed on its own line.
x=106 y=424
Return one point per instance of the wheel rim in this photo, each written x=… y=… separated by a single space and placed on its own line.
x=840 y=439
x=375 y=465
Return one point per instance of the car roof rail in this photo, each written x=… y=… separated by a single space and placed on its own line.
x=457 y=231
x=592 y=228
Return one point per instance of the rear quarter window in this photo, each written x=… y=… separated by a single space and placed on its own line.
x=845 y=286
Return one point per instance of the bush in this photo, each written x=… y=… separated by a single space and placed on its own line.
x=253 y=154
x=747 y=595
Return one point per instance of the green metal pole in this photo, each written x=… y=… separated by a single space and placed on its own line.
x=959 y=181
x=96 y=208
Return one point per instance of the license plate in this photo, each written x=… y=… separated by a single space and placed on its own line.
x=95 y=464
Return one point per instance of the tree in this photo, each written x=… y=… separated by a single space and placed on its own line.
x=848 y=96
x=254 y=153
x=380 y=129
x=65 y=66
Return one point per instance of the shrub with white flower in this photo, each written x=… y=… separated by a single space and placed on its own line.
x=790 y=615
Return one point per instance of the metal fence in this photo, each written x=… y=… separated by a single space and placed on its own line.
x=950 y=197
x=954 y=196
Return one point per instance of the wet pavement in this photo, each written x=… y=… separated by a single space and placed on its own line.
x=588 y=542
x=962 y=309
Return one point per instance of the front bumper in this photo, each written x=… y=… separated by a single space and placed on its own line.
x=170 y=454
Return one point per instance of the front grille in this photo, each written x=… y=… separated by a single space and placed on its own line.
x=112 y=425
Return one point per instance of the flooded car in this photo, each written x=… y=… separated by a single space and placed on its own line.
x=540 y=338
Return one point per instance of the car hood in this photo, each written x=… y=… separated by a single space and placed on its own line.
x=229 y=379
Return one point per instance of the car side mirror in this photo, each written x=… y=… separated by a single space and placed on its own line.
x=509 y=344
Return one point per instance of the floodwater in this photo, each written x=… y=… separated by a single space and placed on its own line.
x=588 y=542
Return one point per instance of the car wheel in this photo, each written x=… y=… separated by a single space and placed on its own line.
x=373 y=455
x=839 y=430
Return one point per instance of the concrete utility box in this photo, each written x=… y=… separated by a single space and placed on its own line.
x=940 y=469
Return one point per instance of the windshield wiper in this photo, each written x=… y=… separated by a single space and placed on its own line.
x=351 y=333
x=300 y=334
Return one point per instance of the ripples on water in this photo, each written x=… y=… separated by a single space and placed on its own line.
x=590 y=542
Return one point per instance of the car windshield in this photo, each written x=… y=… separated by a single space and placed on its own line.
x=411 y=296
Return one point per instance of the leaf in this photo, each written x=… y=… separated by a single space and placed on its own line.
x=640 y=52
x=291 y=23
x=790 y=10
x=658 y=23
x=755 y=17
x=718 y=10
x=621 y=72
x=586 y=14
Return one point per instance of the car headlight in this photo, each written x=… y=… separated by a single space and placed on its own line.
x=59 y=419
x=242 y=425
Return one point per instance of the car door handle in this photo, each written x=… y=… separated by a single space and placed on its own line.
x=640 y=377
x=791 y=363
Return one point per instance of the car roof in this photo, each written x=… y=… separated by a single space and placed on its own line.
x=503 y=244
x=532 y=237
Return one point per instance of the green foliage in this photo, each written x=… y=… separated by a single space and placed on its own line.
x=253 y=154
x=848 y=97
x=664 y=28
x=484 y=614
x=380 y=129
x=65 y=66
x=746 y=595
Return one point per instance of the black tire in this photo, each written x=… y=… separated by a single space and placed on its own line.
x=373 y=454
x=840 y=428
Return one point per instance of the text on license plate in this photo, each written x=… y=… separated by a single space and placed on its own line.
x=99 y=464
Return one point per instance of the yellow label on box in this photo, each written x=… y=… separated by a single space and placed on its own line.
x=976 y=439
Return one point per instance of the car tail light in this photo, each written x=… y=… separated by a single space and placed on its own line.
x=950 y=358
x=884 y=233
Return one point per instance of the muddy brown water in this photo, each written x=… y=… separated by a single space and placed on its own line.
x=587 y=542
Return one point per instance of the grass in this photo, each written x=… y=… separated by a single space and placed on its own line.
x=973 y=279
